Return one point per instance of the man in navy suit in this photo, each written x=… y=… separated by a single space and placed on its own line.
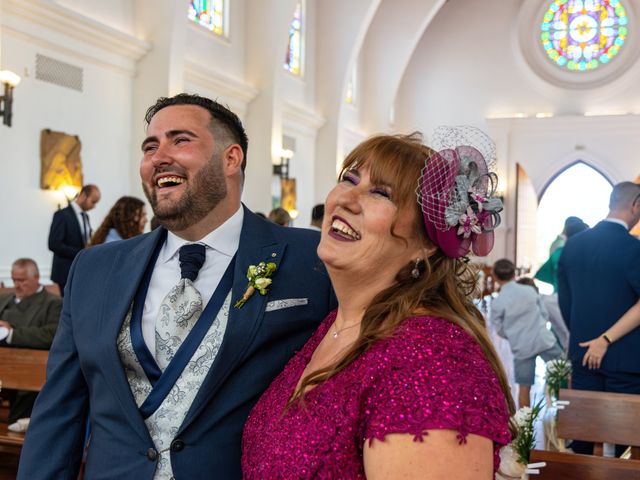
x=155 y=415
x=70 y=231
x=598 y=285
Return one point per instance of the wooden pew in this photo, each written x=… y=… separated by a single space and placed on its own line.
x=595 y=417
x=20 y=369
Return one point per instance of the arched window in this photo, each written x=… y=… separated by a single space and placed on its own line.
x=210 y=14
x=295 y=47
x=581 y=35
x=579 y=190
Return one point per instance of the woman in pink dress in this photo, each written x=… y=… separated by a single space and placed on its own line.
x=401 y=380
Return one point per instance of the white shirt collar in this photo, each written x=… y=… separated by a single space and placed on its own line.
x=224 y=239
x=76 y=208
x=618 y=221
x=18 y=300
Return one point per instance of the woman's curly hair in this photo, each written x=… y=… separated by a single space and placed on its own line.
x=124 y=218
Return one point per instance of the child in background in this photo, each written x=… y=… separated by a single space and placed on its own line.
x=519 y=316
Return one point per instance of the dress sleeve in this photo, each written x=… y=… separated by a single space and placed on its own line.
x=433 y=375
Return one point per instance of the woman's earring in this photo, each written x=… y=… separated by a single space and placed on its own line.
x=415 y=273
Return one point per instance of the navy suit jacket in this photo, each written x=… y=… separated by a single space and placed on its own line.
x=85 y=375
x=598 y=281
x=65 y=241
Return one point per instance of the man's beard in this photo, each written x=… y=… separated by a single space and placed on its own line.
x=203 y=193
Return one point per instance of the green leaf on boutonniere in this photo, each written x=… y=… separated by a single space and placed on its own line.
x=258 y=276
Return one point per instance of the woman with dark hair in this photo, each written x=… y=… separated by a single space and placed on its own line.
x=548 y=272
x=401 y=381
x=127 y=218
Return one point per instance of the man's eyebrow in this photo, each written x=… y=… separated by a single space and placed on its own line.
x=169 y=134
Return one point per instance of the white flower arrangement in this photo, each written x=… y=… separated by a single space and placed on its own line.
x=557 y=376
x=514 y=458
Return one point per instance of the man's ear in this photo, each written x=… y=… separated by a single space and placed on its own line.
x=232 y=158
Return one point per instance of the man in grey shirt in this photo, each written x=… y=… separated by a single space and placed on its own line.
x=519 y=316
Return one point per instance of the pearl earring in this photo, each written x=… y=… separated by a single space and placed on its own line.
x=415 y=273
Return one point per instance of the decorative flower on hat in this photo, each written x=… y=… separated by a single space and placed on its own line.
x=469 y=224
x=457 y=192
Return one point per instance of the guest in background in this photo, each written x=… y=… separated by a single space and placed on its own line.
x=401 y=381
x=317 y=214
x=280 y=216
x=519 y=316
x=127 y=218
x=548 y=272
x=550 y=302
x=70 y=232
x=599 y=289
x=28 y=319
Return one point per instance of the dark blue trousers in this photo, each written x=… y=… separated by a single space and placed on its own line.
x=600 y=380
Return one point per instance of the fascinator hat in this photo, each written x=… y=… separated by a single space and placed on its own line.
x=457 y=192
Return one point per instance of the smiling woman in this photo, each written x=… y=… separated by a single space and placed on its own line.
x=401 y=380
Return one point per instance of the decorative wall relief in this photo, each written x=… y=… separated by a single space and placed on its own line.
x=60 y=161
x=289 y=197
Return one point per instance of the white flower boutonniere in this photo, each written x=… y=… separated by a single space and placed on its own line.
x=258 y=276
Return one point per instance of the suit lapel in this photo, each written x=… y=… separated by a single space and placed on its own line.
x=257 y=244
x=73 y=218
x=126 y=274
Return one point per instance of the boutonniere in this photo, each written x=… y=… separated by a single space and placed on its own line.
x=259 y=280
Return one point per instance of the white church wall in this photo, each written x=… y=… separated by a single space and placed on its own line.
x=461 y=74
x=225 y=55
x=100 y=115
x=115 y=13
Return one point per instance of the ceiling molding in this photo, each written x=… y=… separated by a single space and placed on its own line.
x=74 y=25
x=299 y=119
x=213 y=80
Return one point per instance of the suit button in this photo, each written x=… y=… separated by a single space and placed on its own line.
x=177 y=445
x=152 y=454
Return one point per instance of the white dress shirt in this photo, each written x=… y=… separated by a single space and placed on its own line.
x=76 y=208
x=221 y=245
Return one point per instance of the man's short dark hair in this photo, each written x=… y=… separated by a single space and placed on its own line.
x=317 y=213
x=624 y=195
x=225 y=124
x=504 y=270
x=87 y=190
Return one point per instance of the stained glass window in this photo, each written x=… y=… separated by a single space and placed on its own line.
x=580 y=35
x=293 y=59
x=209 y=14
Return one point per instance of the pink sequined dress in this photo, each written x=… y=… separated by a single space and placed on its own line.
x=429 y=375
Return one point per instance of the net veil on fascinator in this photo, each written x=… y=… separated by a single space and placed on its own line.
x=457 y=192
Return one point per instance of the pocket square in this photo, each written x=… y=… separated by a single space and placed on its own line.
x=285 y=303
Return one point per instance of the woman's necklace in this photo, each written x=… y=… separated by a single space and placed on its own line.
x=337 y=331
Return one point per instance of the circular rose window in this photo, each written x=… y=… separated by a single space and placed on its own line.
x=581 y=35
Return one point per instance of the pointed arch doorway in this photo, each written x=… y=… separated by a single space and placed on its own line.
x=578 y=190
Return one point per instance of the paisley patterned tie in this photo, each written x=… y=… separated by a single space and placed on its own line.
x=182 y=306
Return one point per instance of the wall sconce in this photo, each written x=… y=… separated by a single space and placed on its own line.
x=9 y=80
x=282 y=169
x=69 y=192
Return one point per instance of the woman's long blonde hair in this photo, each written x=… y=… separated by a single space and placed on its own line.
x=445 y=285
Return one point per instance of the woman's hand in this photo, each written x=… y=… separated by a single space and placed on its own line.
x=595 y=353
